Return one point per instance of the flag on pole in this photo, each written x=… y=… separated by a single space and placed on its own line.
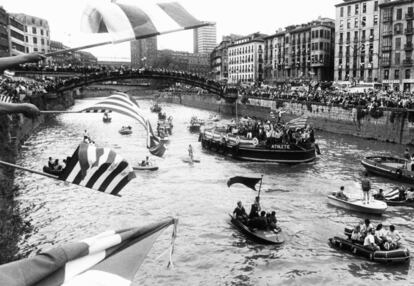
x=100 y=169
x=127 y=105
x=392 y=195
x=299 y=122
x=248 y=182
x=5 y=98
x=142 y=20
x=109 y=259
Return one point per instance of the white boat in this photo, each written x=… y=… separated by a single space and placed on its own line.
x=373 y=207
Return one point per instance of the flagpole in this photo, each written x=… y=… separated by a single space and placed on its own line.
x=59 y=111
x=260 y=187
x=28 y=170
x=202 y=24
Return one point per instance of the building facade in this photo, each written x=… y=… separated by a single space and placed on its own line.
x=357 y=41
x=245 y=59
x=17 y=38
x=37 y=33
x=184 y=61
x=4 y=33
x=396 y=46
x=143 y=52
x=219 y=63
x=205 y=39
x=301 y=52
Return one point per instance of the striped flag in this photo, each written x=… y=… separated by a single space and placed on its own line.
x=109 y=259
x=127 y=105
x=139 y=20
x=100 y=169
x=300 y=122
x=392 y=195
x=5 y=98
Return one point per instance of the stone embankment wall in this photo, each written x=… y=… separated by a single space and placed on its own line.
x=392 y=126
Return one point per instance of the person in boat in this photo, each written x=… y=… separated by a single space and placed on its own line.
x=356 y=234
x=86 y=136
x=255 y=209
x=380 y=195
x=366 y=228
x=240 y=212
x=407 y=154
x=262 y=221
x=366 y=187
x=64 y=164
x=380 y=235
x=401 y=193
x=145 y=162
x=50 y=163
x=272 y=220
x=106 y=116
x=369 y=241
x=340 y=194
x=56 y=165
x=393 y=237
x=190 y=152
x=409 y=195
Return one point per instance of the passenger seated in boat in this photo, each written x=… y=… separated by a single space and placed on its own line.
x=64 y=164
x=340 y=194
x=409 y=195
x=380 y=235
x=401 y=193
x=393 y=238
x=369 y=241
x=356 y=234
x=407 y=154
x=366 y=228
x=50 y=163
x=255 y=209
x=272 y=220
x=56 y=165
x=145 y=162
x=380 y=195
x=240 y=212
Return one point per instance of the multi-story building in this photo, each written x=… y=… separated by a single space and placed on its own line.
x=245 y=58
x=4 y=33
x=37 y=34
x=17 y=37
x=301 y=52
x=59 y=59
x=205 y=39
x=184 y=61
x=396 y=46
x=143 y=52
x=357 y=40
x=219 y=58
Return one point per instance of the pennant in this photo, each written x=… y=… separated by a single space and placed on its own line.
x=248 y=182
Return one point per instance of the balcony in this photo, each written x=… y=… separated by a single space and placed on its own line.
x=409 y=31
x=385 y=63
x=409 y=16
x=386 y=48
x=408 y=47
x=407 y=62
x=387 y=33
x=387 y=18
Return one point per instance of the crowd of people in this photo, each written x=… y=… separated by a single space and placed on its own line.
x=23 y=90
x=377 y=238
x=257 y=217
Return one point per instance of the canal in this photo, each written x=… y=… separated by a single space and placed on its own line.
x=209 y=251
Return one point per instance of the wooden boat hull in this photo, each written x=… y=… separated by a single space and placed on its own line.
x=259 y=154
x=401 y=255
x=145 y=168
x=259 y=236
x=374 y=207
x=389 y=167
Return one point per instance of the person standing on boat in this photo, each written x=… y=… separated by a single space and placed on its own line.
x=255 y=209
x=366 y=187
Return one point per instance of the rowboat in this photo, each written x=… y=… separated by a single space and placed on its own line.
x=259 y=236
x=373 y=207
x=125 y=131
x=391 y=167
x=145 y=168
x=51 y=171
x=400 y=255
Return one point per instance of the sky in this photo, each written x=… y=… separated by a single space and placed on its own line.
x=231 y=16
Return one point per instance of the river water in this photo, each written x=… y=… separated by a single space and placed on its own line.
x=209 y=251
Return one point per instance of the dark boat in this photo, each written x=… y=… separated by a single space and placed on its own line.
x=400 y=255
x=155 y=108
x=125 y=131
x=145 y=168
x=107 y=119
x=51 y=171
x=260 y=236
x=391 y=167
x=195 y=124
x=252 y=150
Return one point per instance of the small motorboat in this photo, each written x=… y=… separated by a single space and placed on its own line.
x=391 y=167
x=357 y=205
x=155 y=108
x=107 y=119
x=126 y=130
x=51 y=171
x=260 y=236
x=400 y=255
x=145 y=168
x=195 y=124
x=393 y=198
x=188 y=160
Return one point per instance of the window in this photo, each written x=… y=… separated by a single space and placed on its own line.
x=363 y=35
x=41 y=22
x=35 y=49
x=34 y=40
x=397 y=74
x=42 y=41
x=364 y=21
x=386 y=74
x=355 y=35
x=349 y=10
x=397 y=58
x=341 y=12
x=375 y=6
x=364 y=7
x=341 y=25
x=407 y=74
x=33 y=21
x=34 y=30
x=398 y=28
x=356 y=23
x=41 y=32
x=375 y=19
x=356 y=9
x=399 y=14
x=398 y=43
x=348 y=24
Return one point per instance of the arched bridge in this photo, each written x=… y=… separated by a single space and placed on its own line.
x=80 y=80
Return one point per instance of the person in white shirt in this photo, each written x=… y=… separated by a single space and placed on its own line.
x=380 y=235
x=393 y=237
x=369 y=241
x=366 y=228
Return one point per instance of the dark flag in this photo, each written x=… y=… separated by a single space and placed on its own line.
x=248 y=182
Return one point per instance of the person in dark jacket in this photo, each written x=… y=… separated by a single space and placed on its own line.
x=255 y=209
